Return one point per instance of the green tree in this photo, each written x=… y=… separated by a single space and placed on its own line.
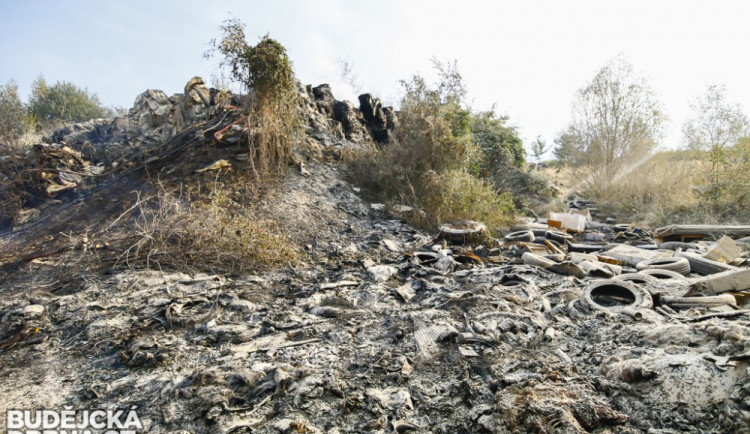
x=616 y=118
x=499 y=143
x=718 y=132
x=538 y=148
x=12 y=115
x=63 y=102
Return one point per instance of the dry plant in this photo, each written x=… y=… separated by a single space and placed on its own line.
x=219 y=235
x=655 y=191
x=264 y=69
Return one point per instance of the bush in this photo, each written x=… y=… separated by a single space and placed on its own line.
x=63 y=102
x=719 y=133
x=434 y=166
x=12 y=117
x=274 y=121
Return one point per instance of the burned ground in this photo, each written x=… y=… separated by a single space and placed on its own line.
x=378 y=327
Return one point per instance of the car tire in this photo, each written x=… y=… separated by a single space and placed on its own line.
x=676 y=264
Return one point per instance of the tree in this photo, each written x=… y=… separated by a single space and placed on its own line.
x=715 y=122
x=12 y=115
x=538 y=148
x=719 y=132
x=615 y=118
x=62 y=102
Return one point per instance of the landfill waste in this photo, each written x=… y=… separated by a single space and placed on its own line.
x=379 y=326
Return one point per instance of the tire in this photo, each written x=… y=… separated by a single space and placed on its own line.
x=637 y=278
x=515 y=237
x=689 y=302
x=676 y=264
x=662 y=274
x=615 y=295
x=704 y=266
x=463 y=232
x=559 y=236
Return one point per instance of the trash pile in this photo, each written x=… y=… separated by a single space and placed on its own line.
x=565 y=324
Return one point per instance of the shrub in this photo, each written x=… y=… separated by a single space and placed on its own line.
x=656 y=191
x=719 y=133
x=434 y=166
x=265 y=70
x=62 y=102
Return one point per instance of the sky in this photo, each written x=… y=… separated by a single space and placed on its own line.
x=527 y=59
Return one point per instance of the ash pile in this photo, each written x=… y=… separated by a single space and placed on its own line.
x=565 y=324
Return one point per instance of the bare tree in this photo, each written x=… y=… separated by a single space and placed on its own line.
x=616 y=119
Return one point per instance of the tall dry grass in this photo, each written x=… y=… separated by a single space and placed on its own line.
x=664 y=188
x=218 y=235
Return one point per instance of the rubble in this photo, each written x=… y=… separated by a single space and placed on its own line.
x=379 y=327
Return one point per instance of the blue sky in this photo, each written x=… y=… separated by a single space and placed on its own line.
x=527 y=58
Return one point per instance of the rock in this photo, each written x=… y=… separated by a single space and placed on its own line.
x=33 y=310
x=381 y=273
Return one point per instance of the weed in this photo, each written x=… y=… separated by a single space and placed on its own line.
x=218 y=235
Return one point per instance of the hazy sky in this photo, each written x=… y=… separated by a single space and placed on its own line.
x=527 y=57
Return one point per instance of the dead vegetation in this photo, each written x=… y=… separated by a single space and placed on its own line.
x=666 y=187
x=217 y=234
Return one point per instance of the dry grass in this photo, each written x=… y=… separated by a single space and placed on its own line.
x=218 y=235
x=661 y=189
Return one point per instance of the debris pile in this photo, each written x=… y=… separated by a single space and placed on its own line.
x=382 y=327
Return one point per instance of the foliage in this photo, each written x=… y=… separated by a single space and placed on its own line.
x=499 y=144
x=654 y=193
x=538 y=148
x=12 y=116
x=62 y=102
x=616 y=120
x=435 y=163
x=719 y=133
x=265 y=70
x=715 y=122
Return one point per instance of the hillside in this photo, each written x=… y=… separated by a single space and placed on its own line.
x=316 y=311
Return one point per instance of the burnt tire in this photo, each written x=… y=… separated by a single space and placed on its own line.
x=676 y=264
x=637 y=278
x=559 y=236
x=615 y=295
x=463 y=232
x=690 y=302
x=662 y=274
x=520 y=236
